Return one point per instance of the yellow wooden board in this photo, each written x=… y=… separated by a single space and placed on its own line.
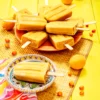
x=4 y=8
x=31 y=5
x=96 y=11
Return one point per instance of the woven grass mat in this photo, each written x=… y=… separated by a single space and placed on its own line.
x=60 y=58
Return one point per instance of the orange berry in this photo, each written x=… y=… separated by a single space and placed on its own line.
x=93 y=31
x=71 y=84
x=81 y=93
x=69 y=73
x=81 y=87
x=91 y=34
x=87 y=25
x=59 y=93
x=7 y=40
x=14 y=53
x=7 y=45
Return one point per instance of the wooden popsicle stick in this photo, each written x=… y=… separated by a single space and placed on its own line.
x=68 y=47
x=46 y=2
x=55 y=74
x=72 y=6
x=84 y=29
x=91 y=22
x=25 y=44
x=15 y=9
x=14 y=21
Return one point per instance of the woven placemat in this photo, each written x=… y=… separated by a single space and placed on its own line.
x=60 y=58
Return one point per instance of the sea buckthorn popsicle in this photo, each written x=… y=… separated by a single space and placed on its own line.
x=31 y=71
x=68 y=27
x=58 y=12
x=23 y=11
x=36 y=38
x=60 y=41
x=30 y=22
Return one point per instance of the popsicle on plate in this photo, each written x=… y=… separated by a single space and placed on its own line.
x=36 y=38
x=43 y=9
x=68 y=27
x=30 y=22
x=31 y=71
x=58 y=13
x=60 y=41
x=23 y=11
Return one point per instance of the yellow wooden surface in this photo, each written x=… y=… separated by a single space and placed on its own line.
x=31 y=5
x=89 y=10
x=4 y=8
x=96 y=11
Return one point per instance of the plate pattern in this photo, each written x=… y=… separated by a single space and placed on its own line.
x=29 y=87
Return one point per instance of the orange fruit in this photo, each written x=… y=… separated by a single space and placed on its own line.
x=8 y=25
x=66 y=2
x=77 y=61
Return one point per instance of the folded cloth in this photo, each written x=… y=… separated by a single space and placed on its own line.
x=9 y=93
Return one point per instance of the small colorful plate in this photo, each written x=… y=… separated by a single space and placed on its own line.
x=29 y=87
x=47 y=46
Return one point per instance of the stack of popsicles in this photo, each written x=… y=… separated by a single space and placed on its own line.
x=50 y=24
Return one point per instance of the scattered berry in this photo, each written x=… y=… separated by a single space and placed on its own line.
x=7 y=45
x=71 y=84
x=69 y=73
x=93 y=31
x=59 y=93
x=81 y=87
x=7 y=40
x=81 y=93
x=87 y=25
x=14 y=53
x=91 y=34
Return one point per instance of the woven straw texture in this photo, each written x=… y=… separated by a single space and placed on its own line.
x=60 y=58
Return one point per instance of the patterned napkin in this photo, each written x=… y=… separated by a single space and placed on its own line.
x=9 y=93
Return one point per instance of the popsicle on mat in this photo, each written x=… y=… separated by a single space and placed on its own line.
x=32 y=71
x=61 y=42
x=34 y=38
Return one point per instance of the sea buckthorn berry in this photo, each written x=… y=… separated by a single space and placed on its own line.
x=7 y=40
x=69 y=73
x=59 y=93
x=71 y=84
x=87 y=25
x=7 y=45
x=81 y=93
x=14 y=53
x=93 y=31
x=81 y=87
x=91 y=34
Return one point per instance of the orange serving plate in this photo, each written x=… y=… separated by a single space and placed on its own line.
x=47 y=46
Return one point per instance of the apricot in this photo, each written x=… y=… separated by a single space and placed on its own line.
x=8 y=25
x=66 y=2
x=77 y=61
